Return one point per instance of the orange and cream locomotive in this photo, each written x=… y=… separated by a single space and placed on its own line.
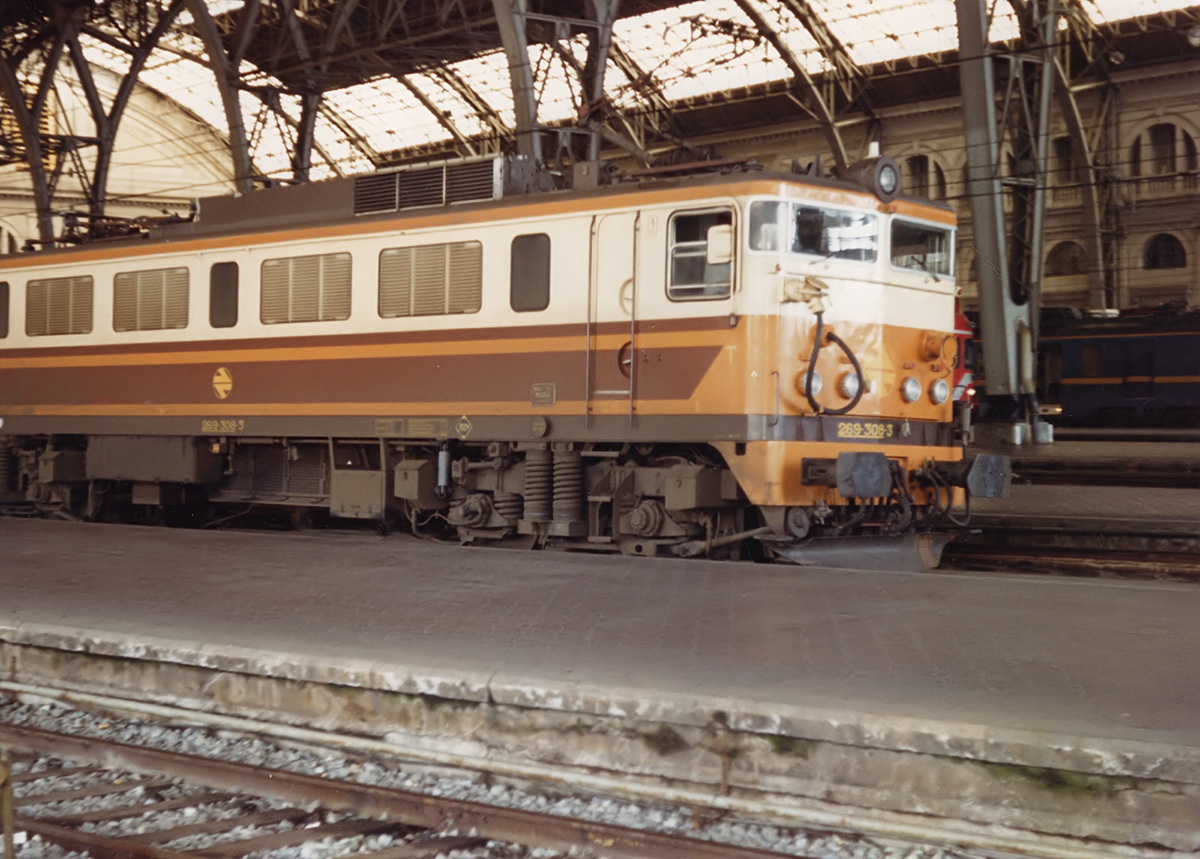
x=674 y=364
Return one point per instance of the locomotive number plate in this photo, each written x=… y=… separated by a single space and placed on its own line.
x=223 y=425
x=864 y=430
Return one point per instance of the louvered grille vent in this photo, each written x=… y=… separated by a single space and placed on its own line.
x=306 y=289
x=150 y=300
x=58 y=305
x=422 y=187
x=428 y=186
x=259 y=471
x=471 y=181
x=375 y=193
x=465 y=286
x=431 y=280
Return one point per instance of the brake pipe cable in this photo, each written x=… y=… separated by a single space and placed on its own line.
x=812 y=368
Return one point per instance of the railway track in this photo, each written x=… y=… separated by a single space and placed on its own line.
x=1095 y=561
x=308 y=789
x=1144 y=474
x=231 y=810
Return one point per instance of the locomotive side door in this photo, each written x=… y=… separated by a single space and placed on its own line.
x=612 y=315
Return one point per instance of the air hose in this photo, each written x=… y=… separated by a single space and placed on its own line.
x=812 y=368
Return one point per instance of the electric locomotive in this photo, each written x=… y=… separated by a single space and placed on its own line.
x=1136 y=369
x=712 y=364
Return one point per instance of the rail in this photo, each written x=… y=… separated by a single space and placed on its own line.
x=370 y=808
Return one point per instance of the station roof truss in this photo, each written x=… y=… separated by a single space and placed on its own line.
x=304 y=89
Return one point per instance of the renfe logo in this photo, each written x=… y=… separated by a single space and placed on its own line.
x=222 y=382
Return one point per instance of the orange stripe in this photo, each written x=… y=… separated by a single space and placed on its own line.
x=925 y=213
x=1104 y=335
x=1117 y=380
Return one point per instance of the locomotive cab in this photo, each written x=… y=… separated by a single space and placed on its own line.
x=850 y=306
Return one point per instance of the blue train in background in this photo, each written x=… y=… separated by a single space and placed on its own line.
x=1138 y=369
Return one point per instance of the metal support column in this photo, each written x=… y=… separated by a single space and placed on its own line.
x=1009 y=261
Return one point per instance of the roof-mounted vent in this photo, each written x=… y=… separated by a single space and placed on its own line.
x=376 y=193
x=437 y=185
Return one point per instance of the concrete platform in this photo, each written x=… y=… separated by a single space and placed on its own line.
x=1056 y=706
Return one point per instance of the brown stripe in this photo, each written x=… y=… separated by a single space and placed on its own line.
x=417 y=379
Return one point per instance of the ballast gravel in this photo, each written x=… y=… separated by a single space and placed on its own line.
x=256 y=751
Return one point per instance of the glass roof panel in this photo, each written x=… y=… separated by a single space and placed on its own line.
x=452 y=105
x=883 y=31
x=557 y=86
x=336 y=145
x=487 y=75
x=699 y=48
x=386 y=115
x=1105 y=11
x=794 y=35
x=186 y=81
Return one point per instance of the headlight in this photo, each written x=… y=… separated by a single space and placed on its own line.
x=889 y=179
x=939 y=391
x=910 y=389
x=817 y=382
x=848 y=385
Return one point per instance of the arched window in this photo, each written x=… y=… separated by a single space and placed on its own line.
x=1165 y=251
x=918 y=175
x=926 y=178
x=1162 y=150
x=8 y=239
x=1064 y=259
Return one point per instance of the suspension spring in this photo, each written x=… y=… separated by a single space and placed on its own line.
x=568 y=486
x=539 y=486
x=507 y=504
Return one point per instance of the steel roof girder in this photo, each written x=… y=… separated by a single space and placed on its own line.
x=474 y=100
x=226 y=76
x=660 y=118
x=510 y=21
x=27 y=125
x=442 y=119
x=245 y=32
x=849 y=77
x=65 y=26
x=108 y=122
x=804 y=91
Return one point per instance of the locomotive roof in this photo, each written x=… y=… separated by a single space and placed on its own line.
x=1159 y=321
x=331 y=205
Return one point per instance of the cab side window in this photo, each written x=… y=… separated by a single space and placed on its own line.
x=691 y=276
